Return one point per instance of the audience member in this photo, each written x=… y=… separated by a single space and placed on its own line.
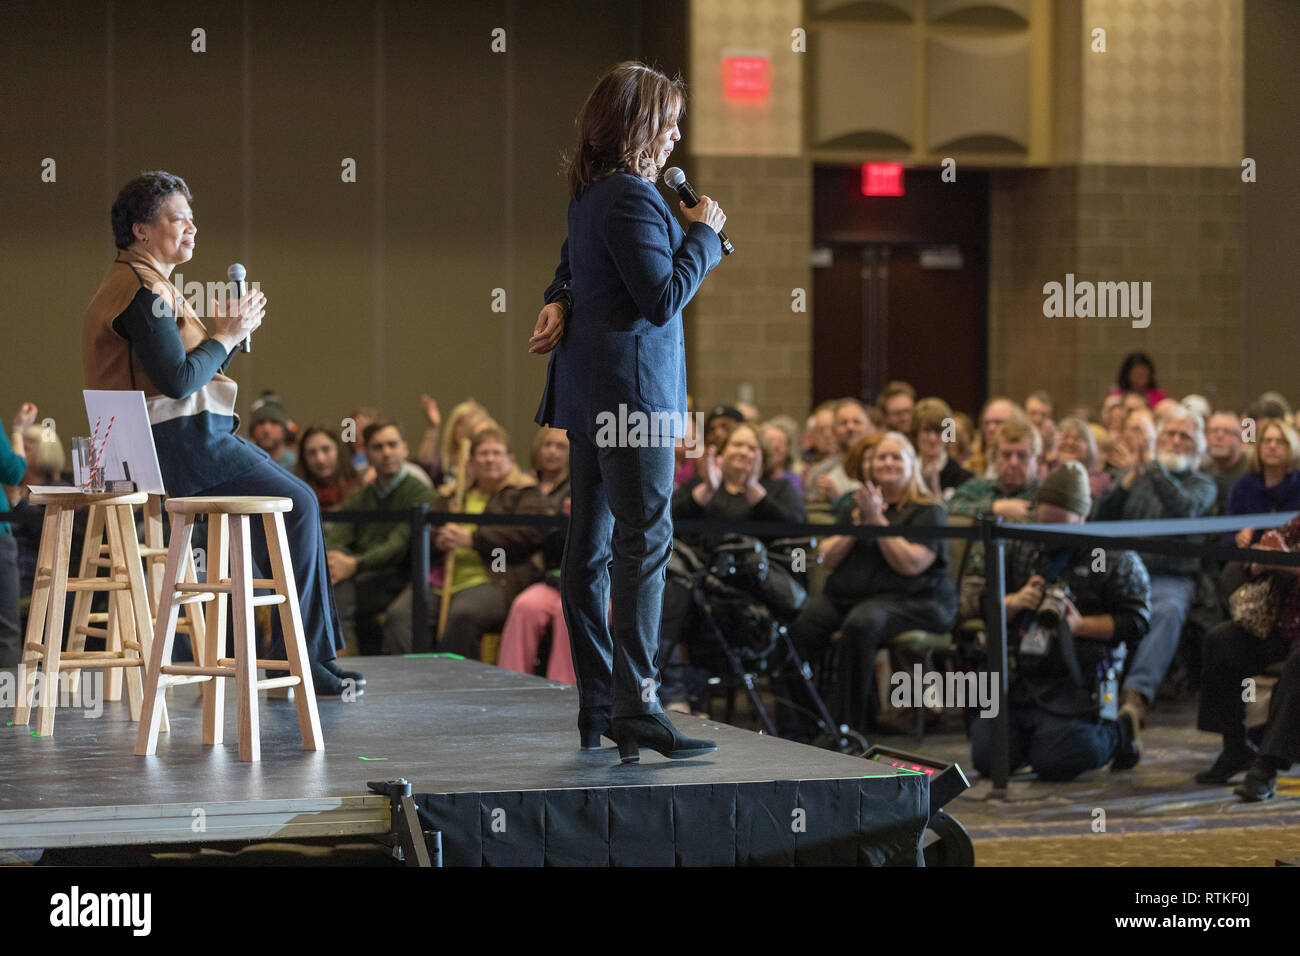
x=460 y=425
x=877 y=587
x=718 y=424
x=1011 y=493
x=995 y=411
x=1272 y=482
x=781 y=436
x=1225 y=459
x=1038 y=409
x=325 y=464
x=1137 y=375
x=819 y=435
x=1233 y=655
x=12 y=466
x=370 y=563
x=493 y=562
x=1063 y=718
x=940 y=474
x=896 y=403
x=538 y=608
x=1112 y=414
x=1076 y=442
x=827 y=480
x=1168 y=487
x=272 y=430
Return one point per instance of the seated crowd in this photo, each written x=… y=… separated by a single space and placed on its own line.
x=1094 y=634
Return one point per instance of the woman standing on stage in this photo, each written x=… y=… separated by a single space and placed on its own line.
x=613 y=318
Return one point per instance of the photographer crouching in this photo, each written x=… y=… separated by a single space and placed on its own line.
x=1073 y=615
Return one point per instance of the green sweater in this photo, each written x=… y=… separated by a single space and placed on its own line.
x=379 y=546
x=978 y=495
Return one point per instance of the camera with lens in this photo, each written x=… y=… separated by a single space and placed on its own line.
x=1052 y=608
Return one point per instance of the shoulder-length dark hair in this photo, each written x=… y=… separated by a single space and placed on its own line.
x=629 y=106
x=1126 y=370
x=345 y=477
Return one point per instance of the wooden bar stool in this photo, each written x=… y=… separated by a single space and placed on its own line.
x=95 y=554
x=228 y=520
x=126 y=624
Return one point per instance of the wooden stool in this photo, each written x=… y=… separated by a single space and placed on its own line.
x=95 y=554
x=126 y=630
x=229 y=521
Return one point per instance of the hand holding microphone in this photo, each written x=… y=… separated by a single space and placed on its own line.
x=235 y=324
x=698 y=208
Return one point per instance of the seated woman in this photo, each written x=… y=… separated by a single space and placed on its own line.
x=730 y=488
x=493 y=562
x=1230 y=655
x=538 y=609
x=1076 y=442
x=878 y=587
x=141 y=334
x=439 y=457
x=326 y=466
x=940 y=473
x=781 y=436
x=1272 y=482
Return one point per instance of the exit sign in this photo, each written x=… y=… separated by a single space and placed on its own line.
x=746 y=77
x=882 y=179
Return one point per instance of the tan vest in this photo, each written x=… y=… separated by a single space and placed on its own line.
x=107 y=360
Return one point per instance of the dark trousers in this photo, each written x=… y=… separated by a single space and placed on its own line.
x=1229 y=656
x=1058 y=748
x=620 y=538
x=320 y=616
x=10 y=636
x=362 y=598
x=865 y=626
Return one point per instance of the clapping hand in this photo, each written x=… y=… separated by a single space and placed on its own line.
x=870 y=502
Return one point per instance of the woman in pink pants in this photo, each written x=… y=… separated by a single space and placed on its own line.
x=538 y=606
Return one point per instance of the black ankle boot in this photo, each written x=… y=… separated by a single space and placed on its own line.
x=593 y=723
x=1227 y=764
x=655 y=732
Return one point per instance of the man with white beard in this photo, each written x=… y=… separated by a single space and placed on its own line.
x=1168 y=487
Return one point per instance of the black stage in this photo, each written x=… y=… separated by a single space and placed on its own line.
x=493 y=760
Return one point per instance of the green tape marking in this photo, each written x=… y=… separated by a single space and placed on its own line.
x=372 y=758
x=454 y=657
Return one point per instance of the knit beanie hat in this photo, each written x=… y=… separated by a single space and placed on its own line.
x=1067 y=488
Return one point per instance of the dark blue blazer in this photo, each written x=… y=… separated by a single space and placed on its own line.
x=630 y=269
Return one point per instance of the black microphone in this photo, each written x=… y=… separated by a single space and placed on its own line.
x=236 y=275
x=677 y=179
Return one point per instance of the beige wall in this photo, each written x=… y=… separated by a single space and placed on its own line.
x=378 y=289
x=1147 y=188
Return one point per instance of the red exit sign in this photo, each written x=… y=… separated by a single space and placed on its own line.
x=882 y=179
x=746 y=78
